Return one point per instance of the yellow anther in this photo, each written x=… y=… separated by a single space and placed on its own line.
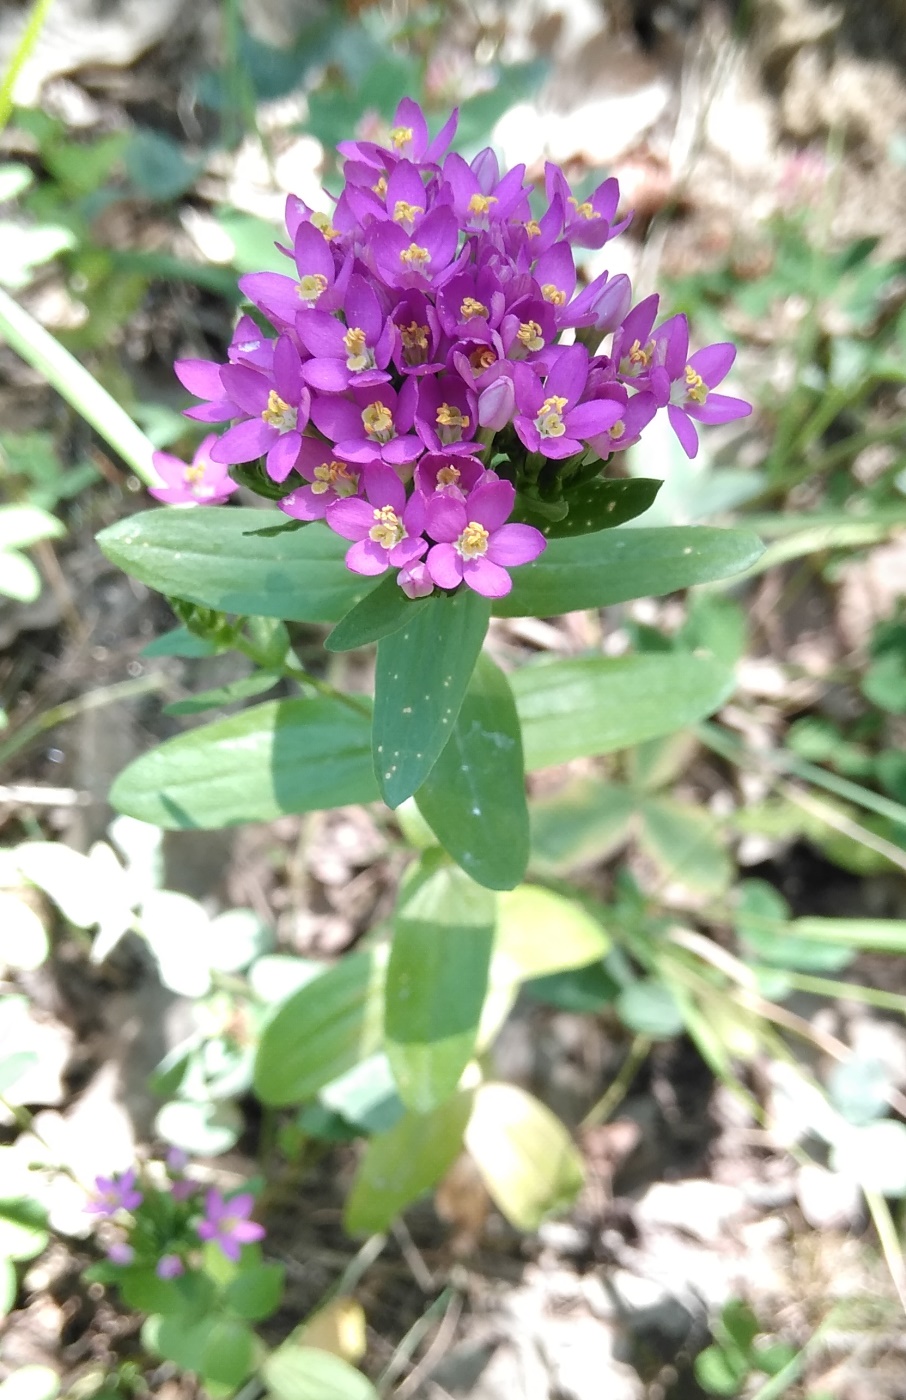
x=448 y=476
x=482 y=359
x=415 y=257
x=334 y=476
x=470 y=307
x=473 y=541
x=553 y=294
x=358 y=354
x=529 y=335
x=549 y=422
x=388 y=529
x=322 y=222
x=696 y=388
x=278 y=413
x=378 y=421
x=585 y=211
x=310 y=287
x=380 y=189
x=533 y=228
x=451 y=422
x=640 y=358
x=415 y=342
x=404 y=213
x=618 y=429
x=401 y=136
x=193 y=475
x=481 y=203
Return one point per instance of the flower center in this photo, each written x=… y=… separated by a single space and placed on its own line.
x=404 y=213
x=482 y=359
x=553 y=294
x=584 y=211
x=278 y=413
x=533 y=228
x=638 y=358
x=380 y=188
x=529 y=335
x=334 y=476
x=470 y=307
x=358 y=354
x=415 y=342
x=696 y=388
x=193 y=475
x=378 y=421
x=388 y=530
x=310 y=287
x=452 y=423
x=473 y=542
x=448 y=476
x=481 y=203
x=415 y=257
x=401 y=136
x=549 y=422
x=322 y=222
x=618 y=429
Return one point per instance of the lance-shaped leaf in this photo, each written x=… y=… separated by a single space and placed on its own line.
x=379 y=613
x=322 y=1030
x=213 y=557
x=529 y=1162
x=282 y=756
x=403 y=1163
x=593 y=705
x=598 y=505
x=593 y=571
x=474 y=797
x=436 y=979
x=423 y=671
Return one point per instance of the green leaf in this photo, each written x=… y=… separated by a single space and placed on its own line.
x=584 y=822
x=256 y=1292
x=740 y=1324
x=422 y=674
x=212 y=558
x=593 y=705
x=527 y=1159
x=682 y=842
x=19 y=578
x=307 y=1373
x=179 y=1339
x=436 y=980
x=366 y=1096
x=765 y=929
x=477 y=786
x=322 y=1030
x=9 y=1287
x=597 y=505
x=386 y=609
x=282 y=756
x=23 y=1228
x=616 y=565
x=229 y=1352
x=581 y=989
x=21 y=526
x=539 y=932
x=240 y=689
x=649 y=1007
x=204 y=1129
x=720 y=1372
x=400 y=1165
x=157 y=165
x=145 y=1292
x=180 y=642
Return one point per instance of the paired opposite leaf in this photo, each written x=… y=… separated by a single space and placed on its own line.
x=423 y=671
x=474 y=797
x=436 y=980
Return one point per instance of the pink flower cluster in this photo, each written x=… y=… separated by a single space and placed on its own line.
x=417 y=377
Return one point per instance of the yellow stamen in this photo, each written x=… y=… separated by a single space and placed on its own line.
x=473 y=542
x=696 y=388
x=549 y=422
x=585 y=211
x=388 y=529
x=448 y=476
x=322 y=222
x=278 y=413
x=378 y=421
x=415 y=257
x=404 y=213
x=482 y=359
x=334 y=476
x=553 y=294
x=310 y=287
x=529 y=335
x=481 y=203
x=415 y=342
x=358 y=354
x=451 y=422
x=380 y=188
x=638 y=357
x=193 y=475
x=533 y=228
x=470 y=307
x=400 y=136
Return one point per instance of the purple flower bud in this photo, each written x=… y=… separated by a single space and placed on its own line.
x=497 y=404
x=169 y=1266
x=120 y=1252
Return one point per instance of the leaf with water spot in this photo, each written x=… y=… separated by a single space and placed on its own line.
x=423 y=672
x=476 y=788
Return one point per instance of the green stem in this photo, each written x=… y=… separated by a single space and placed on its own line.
x=846 y=991
x=70 y=709
x=30 y=34
x=78 y=387
x=889 y=1241
x=619 y=1088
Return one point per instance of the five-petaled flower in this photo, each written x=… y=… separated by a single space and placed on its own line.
x=475 y=545
x=203 y=483
x=226 y=1223
x=115 y=1193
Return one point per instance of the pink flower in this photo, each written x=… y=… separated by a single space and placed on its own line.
x=169 y=1266
x=387 y=528
x=227 y=1223
x=115 y=1193
x=475 y=546
x=204 y=483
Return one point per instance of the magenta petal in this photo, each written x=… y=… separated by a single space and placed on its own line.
x=491 y=503
x=719 y=408
x=384 y=488
x=713 y=363
x=200 y=377
x=487 y=578
x=230 y=1248
x=219 y=411
x=444 y=566
x=588 y=419
x=684 y=429
x=283 y=456
x=402 y=449
x=303 y=504
x=515 y=544
x=247 y=1231
x=352 y=518
x=445 y=518
x=367 y=557
x=244 y=443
